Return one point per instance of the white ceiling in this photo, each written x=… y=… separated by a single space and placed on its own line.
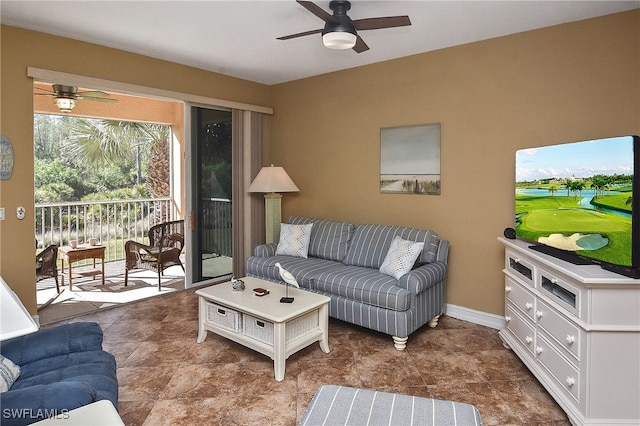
x=238 y=38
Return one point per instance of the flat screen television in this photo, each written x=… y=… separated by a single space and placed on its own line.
x=575 y=202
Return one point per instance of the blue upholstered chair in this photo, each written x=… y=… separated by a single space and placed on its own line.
x=61 y=368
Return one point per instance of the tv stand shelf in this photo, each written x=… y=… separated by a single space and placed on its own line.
x=577 y=328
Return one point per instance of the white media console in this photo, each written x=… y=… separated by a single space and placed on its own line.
x=577 y=328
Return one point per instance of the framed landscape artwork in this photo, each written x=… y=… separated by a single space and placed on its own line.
x=410 y=159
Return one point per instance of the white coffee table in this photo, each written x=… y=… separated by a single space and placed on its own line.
x=263 y=323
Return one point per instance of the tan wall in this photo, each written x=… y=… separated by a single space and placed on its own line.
x=20 y=49
x=561 y=84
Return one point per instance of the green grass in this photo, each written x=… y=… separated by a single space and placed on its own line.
x=541 y=216
x=526 y=203
x=614 y=202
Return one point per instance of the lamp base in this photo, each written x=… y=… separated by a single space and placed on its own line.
x=272 y=216
x=286 y=300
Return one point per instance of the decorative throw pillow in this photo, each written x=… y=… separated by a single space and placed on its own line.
x=9 y=373
x=294 y=240
x=400 y=258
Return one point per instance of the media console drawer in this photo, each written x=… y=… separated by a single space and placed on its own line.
x=521 y=329
x=567 y=334
x=559 y=291
x=565 y=374
x=520 y=297
x=522 y=268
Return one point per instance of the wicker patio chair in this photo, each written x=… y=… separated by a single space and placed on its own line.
x=46 y=264
x=166 y=241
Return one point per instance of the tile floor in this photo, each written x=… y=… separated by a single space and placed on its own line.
x=166 y=378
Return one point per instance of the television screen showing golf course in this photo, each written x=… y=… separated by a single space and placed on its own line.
x=578 y=197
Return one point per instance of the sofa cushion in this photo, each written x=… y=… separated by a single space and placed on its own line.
x=401 y=257
x=9 y=373
x=370 y=244
x=64 y=366
x=302 y=269
x=329 y=239
x=294 y=240
x=364 y=285
x=47 y=343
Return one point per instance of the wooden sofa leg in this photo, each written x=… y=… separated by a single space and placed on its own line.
x=434 y=321
x=400 y=342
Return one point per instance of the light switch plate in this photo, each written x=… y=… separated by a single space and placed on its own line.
x=1 y=213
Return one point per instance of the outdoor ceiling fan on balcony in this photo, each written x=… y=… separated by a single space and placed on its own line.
x=340 y=31
x=65 y=97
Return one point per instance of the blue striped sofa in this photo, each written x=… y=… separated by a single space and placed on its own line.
x=344 y=263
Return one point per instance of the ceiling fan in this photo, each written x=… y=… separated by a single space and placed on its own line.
x=65 y=97
x=340 y=31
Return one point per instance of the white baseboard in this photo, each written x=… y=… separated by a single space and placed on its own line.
x=476 y=317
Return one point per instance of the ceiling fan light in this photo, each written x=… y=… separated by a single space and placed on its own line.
x=339 y=40
x=65 y=104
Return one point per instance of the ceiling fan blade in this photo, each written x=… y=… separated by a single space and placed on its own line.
x=316 y=10
x=94 y=93
x=106 y=100
x=306 y=33
x=360 y=46
x=380 y=23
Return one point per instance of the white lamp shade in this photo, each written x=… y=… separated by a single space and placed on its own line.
x=339 y=40
x=15 y=320
x=273 y=179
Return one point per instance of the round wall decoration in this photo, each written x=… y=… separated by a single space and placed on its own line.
x=6 y=158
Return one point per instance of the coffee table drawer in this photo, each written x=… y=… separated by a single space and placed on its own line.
x=224 y=317
x=258 y=329
x=263 y=330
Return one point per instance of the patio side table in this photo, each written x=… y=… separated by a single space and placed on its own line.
x=83 y=251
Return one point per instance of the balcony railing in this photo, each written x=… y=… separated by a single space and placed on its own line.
x=217 y=219
x=115 y=222
x=111 y=222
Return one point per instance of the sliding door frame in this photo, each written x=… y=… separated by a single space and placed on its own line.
x=187 y=99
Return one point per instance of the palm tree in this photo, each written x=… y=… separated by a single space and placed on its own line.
x=599 y=182
x=578 y=186
x=109 y=141
x=575 y=187
x=158 y=167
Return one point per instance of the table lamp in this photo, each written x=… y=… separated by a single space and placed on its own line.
x=272 y=180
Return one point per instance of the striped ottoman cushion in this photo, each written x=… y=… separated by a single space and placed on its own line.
x=339 y=405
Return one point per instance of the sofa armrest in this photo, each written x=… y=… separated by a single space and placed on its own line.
x=443 y=251
x=27 y=405
x=54 y=341
x=421 y=278
x=265 y=250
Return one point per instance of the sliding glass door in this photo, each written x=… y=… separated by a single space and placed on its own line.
x=211 y=189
